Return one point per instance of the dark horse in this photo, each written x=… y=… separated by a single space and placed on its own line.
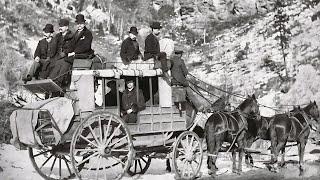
x=230 y=127
x=292 y=127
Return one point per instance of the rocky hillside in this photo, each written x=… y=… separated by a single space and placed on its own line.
x=231 y=44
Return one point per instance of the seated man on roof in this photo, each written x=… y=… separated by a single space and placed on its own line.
x=132 y=101
x=45 y=53
x=130 y=48
x=60 y=68
x=81 y=42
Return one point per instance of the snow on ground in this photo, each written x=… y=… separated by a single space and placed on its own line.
x=16 y=165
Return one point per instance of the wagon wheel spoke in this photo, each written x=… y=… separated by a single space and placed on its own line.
x=194 y=147
x=87 y=158
x=68 y=167
x=98 y=166
x=181 y=151
x=106 y=147
x=191 y=142
x=100 y=130
x=43 y=152
x=112 y=135
x=86 y=150
x=90 y=142
x=60 y=167
x=118 y=160
x=139 y=162
x=192 y=168
x=186 y=151
x=45 y=162
x=94 y=135
x=54 y=162
x=135 y=166
x=113 y=143
x=106 y=132
x=183 y=167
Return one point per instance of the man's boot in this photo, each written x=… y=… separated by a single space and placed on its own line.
x=26 y=79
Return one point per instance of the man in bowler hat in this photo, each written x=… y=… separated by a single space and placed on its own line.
x=64 y=40
x=152 y=46
x=45 y=53
x=130 y=47
x=82 y=40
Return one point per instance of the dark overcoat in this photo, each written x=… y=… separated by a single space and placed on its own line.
x=59 y=68
x=82 y=42
x=65 y=44
x=152 y=47
x=179 y=71
x=46 y=50
x=129 y=50
x=129 y=100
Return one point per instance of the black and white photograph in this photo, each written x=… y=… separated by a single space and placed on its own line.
x=159 y=89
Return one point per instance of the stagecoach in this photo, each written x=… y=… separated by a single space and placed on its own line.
x=83 y=136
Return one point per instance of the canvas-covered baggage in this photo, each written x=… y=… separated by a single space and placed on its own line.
x=42 y=122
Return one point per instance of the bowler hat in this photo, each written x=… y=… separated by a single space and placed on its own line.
x=130 y=79
x=133 y=30
x=48 y=28
x=155 y=25
x=63 y=22
x=178 y=51
x=80 y=19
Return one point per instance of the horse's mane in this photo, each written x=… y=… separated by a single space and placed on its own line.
x=245 y=103
x=308 y=107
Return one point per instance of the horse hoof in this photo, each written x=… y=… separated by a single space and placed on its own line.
x=212 y=173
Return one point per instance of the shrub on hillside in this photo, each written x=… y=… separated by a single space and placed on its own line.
x=6 y=108
x=166 y=12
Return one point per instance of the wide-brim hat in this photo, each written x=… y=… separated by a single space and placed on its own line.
x=80 y=19
x=63 y=22
x=133 y=30
x=48 y=28
x=155 y=25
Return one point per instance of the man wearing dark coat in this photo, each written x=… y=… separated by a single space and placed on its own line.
x=152 y=46
x=180 y=83
x=82 y=40
x=179 y=70
x=130 y=48
x=132 y=102
x=44 y=54
x=60 y=67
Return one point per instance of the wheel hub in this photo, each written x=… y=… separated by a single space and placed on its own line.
x=189 y=156
x=104 y=151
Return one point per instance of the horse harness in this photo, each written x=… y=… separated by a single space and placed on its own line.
x=305 y=117
x=227 y=122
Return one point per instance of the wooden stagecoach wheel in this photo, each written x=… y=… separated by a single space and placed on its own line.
x=104 y=142
x=187 y=155
x=140 y=165
x=51 y=164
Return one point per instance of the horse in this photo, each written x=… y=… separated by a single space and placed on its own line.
x=292 y=127
x=229 y=127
